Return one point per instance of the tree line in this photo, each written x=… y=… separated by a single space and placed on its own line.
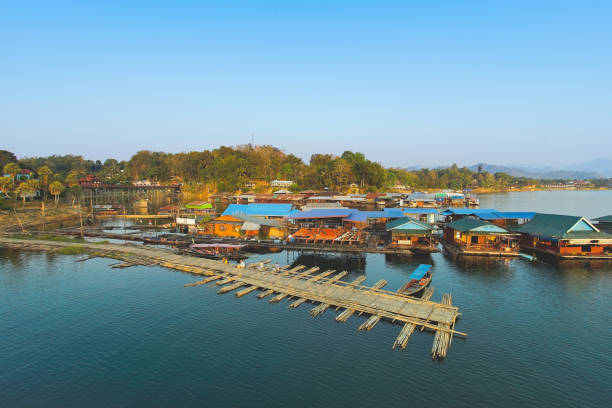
x=233 y=168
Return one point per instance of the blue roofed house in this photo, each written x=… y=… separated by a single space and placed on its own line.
x=565 y=236
x=267 y=211
x=428 y=215
x=410 y=233
x=472 y=236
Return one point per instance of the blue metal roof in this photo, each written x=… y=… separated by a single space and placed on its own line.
x=467 y=211
x=322 y=213
x=363 y=216
x=504 y=215
x=419 y=210
x=419 y=272
x=262 y=210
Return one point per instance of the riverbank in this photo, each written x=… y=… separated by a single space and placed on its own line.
x=32 y=217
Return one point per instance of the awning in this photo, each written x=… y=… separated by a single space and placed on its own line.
x=419 y=272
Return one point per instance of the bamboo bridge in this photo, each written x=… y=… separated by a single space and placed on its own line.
x=325 y=289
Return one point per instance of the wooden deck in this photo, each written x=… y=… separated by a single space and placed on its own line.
x=455 y=250
x=323 y=288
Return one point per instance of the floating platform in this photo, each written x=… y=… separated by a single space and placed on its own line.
x=324 y=289
x=456 y=250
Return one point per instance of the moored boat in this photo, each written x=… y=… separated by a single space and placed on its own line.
x=418 y=280
x=217 y=251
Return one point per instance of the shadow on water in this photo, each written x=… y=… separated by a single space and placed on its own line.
x=352 y=263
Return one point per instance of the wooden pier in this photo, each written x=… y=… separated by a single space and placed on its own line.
x=325 y=289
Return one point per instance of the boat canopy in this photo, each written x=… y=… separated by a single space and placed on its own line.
x=419 y=272
x=216 y=246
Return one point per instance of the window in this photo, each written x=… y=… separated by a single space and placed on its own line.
x=474 y=239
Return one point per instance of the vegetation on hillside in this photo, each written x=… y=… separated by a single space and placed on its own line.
x=235 y=168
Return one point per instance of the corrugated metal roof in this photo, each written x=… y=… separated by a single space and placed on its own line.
x=474 y=225
x=363 y=216
x=419 y=211
x=322 y=213
x=467 y=211
x=259 y=221
x=262 y=210
x=557 y=226
x=506 y=215
x=408 y=224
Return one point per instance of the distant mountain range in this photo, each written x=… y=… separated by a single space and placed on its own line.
x=598 y=168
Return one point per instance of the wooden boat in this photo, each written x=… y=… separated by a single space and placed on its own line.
x=216 y=251
x=418 y=280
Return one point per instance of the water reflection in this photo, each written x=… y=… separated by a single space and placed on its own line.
x=350 y=262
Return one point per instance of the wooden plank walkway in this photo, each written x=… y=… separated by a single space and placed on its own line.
x=297 y=282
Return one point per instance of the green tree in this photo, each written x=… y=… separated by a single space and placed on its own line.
x=27 y=189
x=75 y=192
x=12 y=169
x=56 y=188
x=6 y=157
x=6 y=185
x=44 y=173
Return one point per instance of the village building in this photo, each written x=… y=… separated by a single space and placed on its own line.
x=199 y=208
x=420 y=200
x=267 y=211
x=319 y=226
x=261 y=227
x=565 y=236
x=471 y=236
x=428 y=215
x=223 y=226
x=373 y=220
x=410 y=233
x=281 y=183
x=500 y=218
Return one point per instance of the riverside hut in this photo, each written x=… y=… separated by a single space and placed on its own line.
x=428 y=215
x=267 y=211
x=565 y=236
x=224 y=226
x=410 y=233
x=471 y=236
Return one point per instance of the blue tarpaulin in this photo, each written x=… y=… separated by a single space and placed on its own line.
x=419 y=272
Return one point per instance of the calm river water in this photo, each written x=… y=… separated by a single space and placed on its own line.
x=76 y=334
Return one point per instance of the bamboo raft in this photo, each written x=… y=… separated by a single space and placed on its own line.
x=324 y=289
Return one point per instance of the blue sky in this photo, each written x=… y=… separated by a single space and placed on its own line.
x=407 y=83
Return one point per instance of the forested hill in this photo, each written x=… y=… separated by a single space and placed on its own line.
x=231 y=168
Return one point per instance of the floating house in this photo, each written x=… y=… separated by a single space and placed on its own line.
x=224 y=226
x=420 y=200
x=500 y=218
x=376 y=220
x=267 y=211
x=410 y=233
x=471 y=236
x=319 y=218
x=322 y=226
x=199 y=208
x=565 y=236
x=453 y=214
x=428 y=215
x=261 y=227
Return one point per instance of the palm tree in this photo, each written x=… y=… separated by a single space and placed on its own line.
x=43 y=173
x=56 y=188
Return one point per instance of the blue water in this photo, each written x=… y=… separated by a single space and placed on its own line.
x=76 y=334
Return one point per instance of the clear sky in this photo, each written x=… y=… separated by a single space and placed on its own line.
x=407 y=82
